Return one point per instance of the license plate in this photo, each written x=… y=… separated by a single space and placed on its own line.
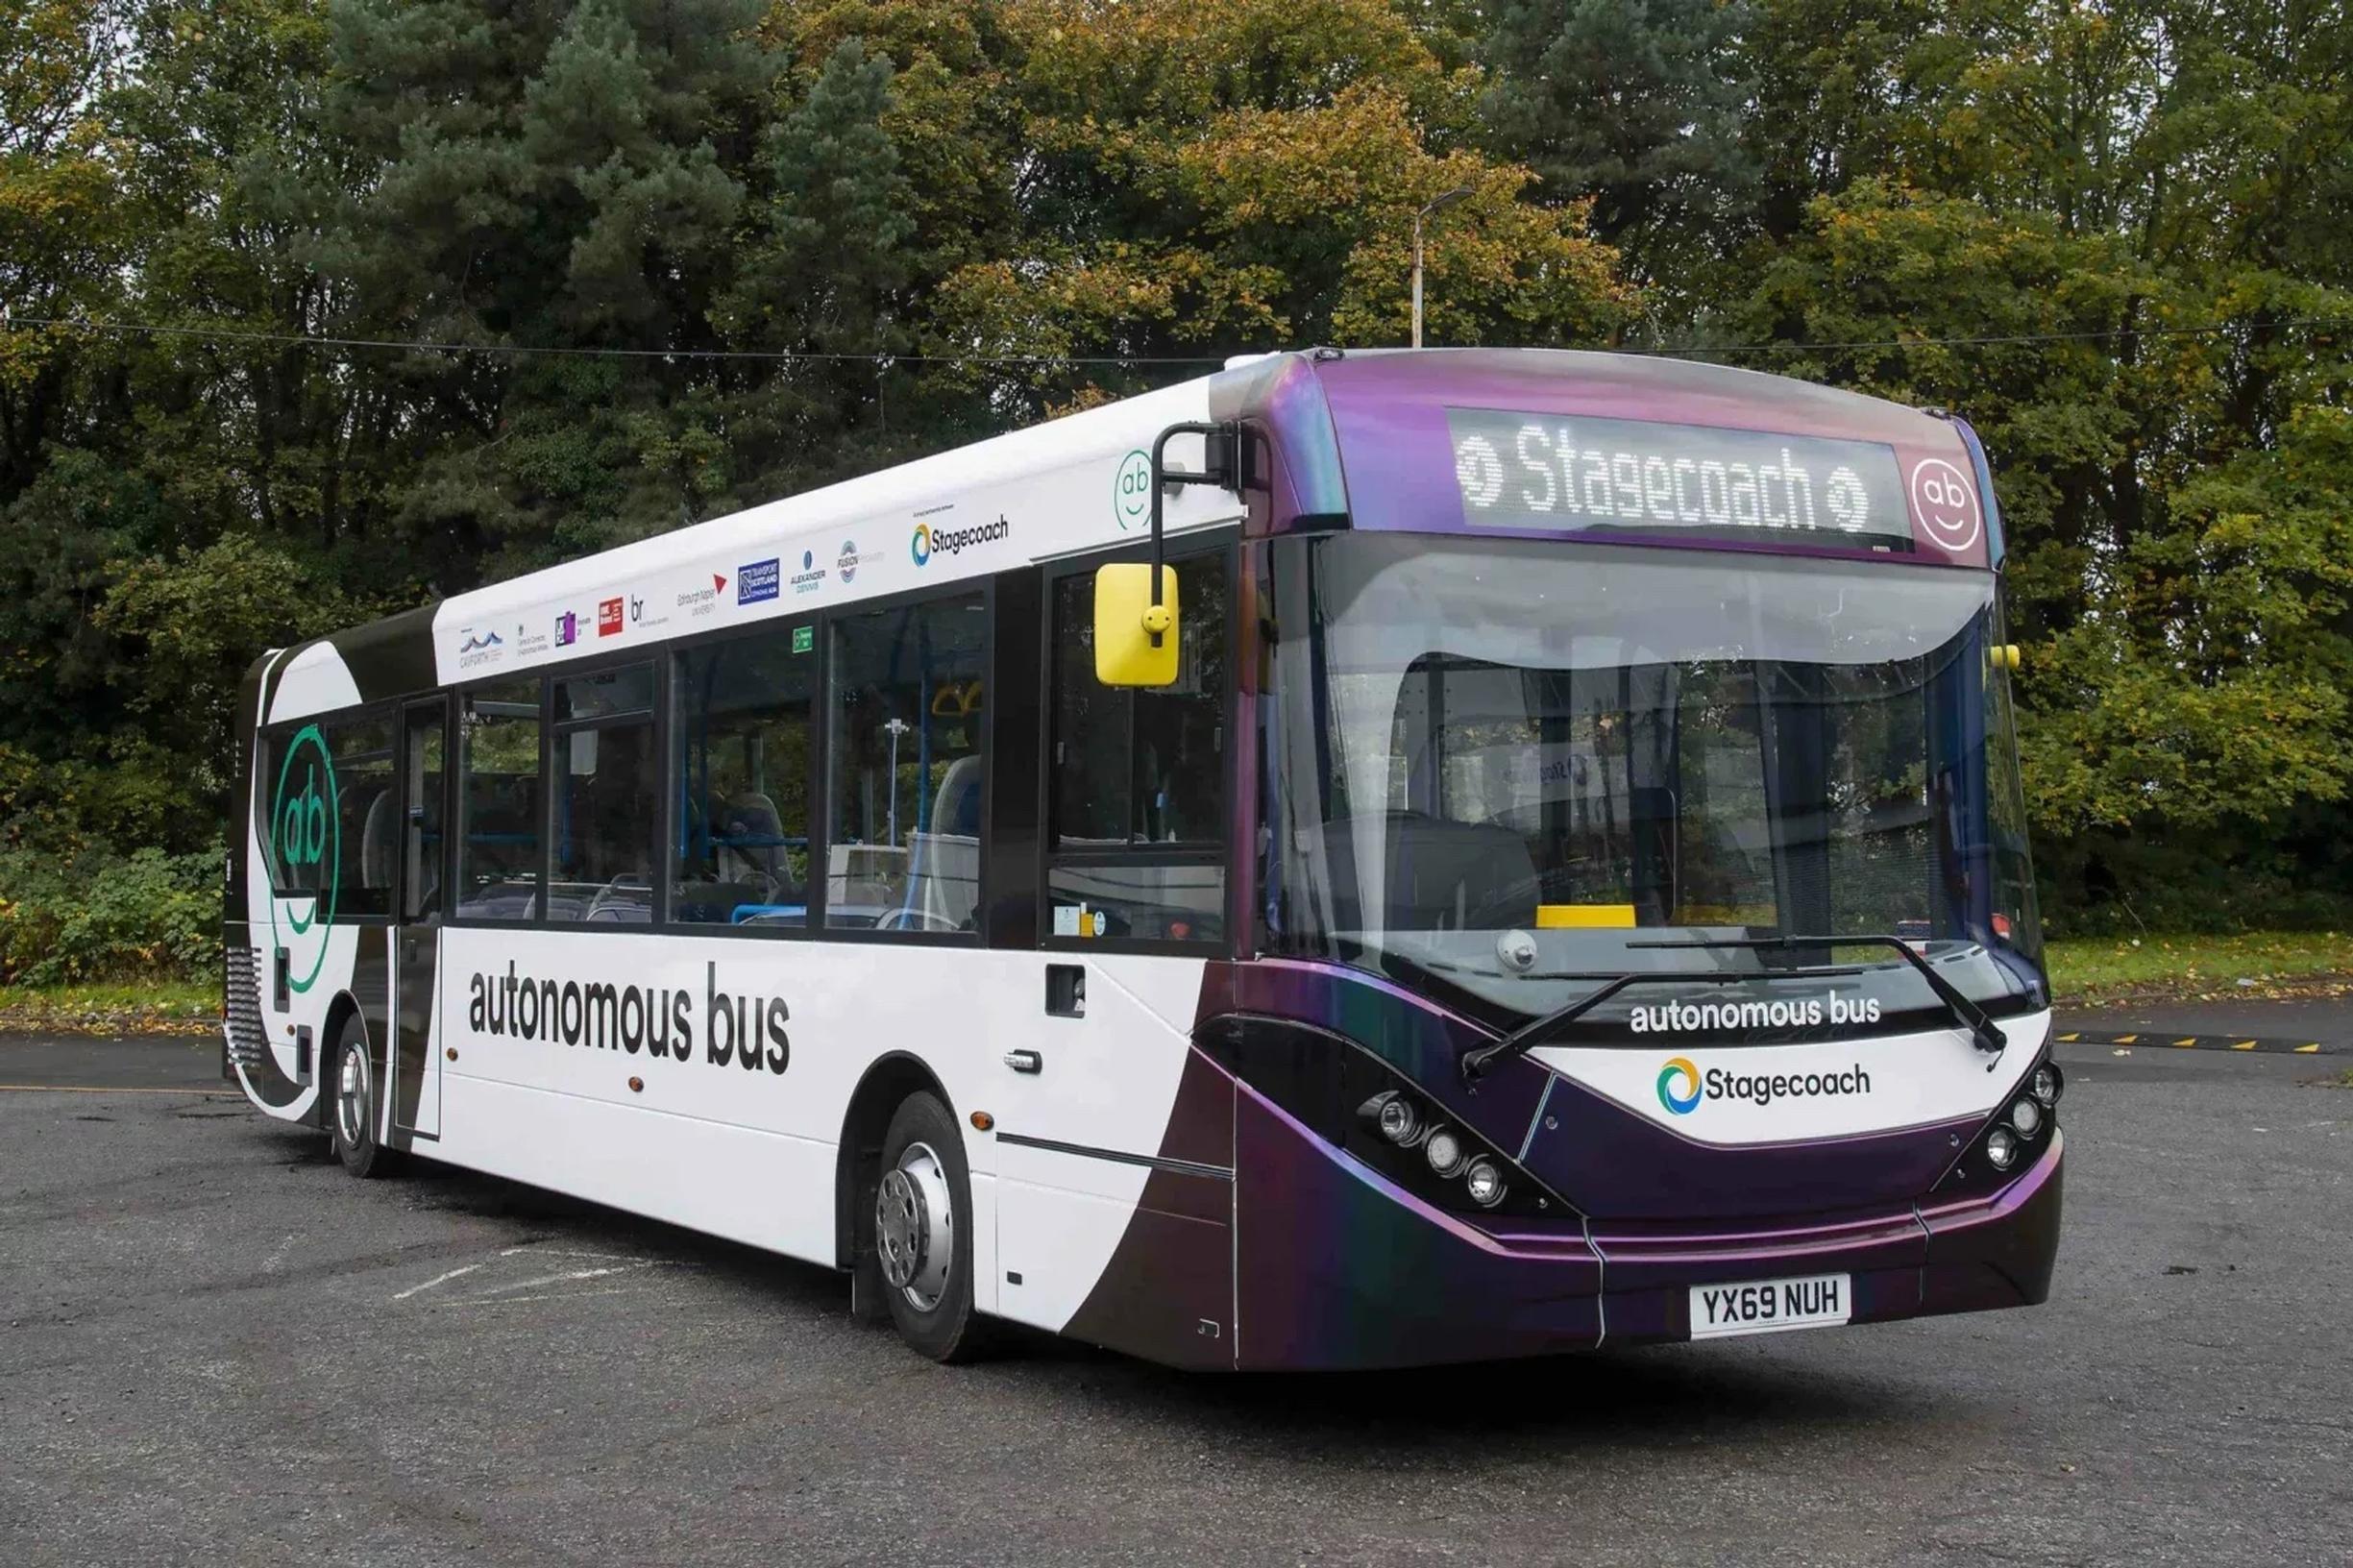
x=1770 y=1306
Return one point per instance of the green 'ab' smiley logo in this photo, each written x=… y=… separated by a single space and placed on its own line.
x=306 y=838
x=1131 y=493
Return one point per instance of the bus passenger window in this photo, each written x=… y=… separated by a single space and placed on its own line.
x=602 y=778
x=908 y=725
x=1138 y=776
x=343 y=766
x=498 y=852
x=741 y=721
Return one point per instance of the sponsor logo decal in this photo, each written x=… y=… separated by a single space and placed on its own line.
x=1678 y=1086
x=479 y=648
x=849 y=561
x=306 y=837
x=488 y=639
x=1682 y=1086
x=756 y=581
x=1131 y=490
x=608 y=618
x=811 y=576
x=701 y=602
x=929 y=541
x=566 y=630
x=740 y=1030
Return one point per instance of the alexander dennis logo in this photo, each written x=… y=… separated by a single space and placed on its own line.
x=1678 y=1086
x=306 y=838
x=1682 y=1086
x=811 y=576
x=929 y=541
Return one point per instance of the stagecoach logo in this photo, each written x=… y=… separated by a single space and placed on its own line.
x=307 y=836
x=1131 y=491
x=1678 y=1086
x=1682 y=1086
x=929 y=541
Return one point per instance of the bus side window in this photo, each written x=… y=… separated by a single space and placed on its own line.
x=1138 y=825
x=908 y=726
x=498 y=850
x=742 y=720
x=604 y=786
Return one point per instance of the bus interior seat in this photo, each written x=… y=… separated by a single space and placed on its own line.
x=753 y=816
x=376 y=842
x=1440 y=871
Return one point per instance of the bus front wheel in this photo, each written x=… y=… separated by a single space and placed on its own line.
x=923 y=1231
x=352 y=1107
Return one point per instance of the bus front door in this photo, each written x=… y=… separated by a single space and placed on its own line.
x=424 y=853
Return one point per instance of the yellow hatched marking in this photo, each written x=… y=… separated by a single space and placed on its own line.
x=2192 y=1041
x=2069 y=1040
x=2308 y=1050
x=2125 y=1040
x=2244 y=1046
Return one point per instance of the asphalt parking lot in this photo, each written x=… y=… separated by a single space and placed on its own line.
x=215 y=1347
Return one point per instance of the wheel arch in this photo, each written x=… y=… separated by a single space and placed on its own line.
x=888 y=1081
x=341 y=1009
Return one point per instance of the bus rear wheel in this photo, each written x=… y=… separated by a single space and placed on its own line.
x=353 y=1105
x=923 y=1231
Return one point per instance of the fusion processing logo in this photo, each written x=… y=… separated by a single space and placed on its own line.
x=848 y=564
x=306 y=838
x=1684 y=1099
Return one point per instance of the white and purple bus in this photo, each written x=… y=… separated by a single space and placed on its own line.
x=1543 y=864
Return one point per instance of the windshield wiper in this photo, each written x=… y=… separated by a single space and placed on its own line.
x=1982 y=1031
x=1521 y=1041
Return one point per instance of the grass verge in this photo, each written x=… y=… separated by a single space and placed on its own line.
x=131 y=1007
x=2255 y=964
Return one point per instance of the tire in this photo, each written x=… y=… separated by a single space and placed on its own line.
x=931 y=1306
x=353 y=1107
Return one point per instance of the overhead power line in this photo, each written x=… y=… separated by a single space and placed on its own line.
x=230 y=334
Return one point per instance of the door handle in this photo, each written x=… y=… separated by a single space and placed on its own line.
x=1025 y=1061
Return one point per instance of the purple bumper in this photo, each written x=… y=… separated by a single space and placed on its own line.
x=1337 y=1267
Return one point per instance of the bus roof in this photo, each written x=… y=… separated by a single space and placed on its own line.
x=1445 y=440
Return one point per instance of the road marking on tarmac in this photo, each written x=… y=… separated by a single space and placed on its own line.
x=101 y=1088
x=2209 y=1043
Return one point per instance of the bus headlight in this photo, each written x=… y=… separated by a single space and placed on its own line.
x=2047 y=1084
x=2026 y=1115
x=2001 y=1148
x=1444 y=1151
x=1484 y=1183
x=1399 y=1121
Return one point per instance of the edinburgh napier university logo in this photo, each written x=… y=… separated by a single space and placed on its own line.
x=306 y=840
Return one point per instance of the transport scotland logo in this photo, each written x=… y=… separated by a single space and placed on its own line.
x=1685 y=1099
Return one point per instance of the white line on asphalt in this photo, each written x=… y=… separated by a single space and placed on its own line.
x=439 y=1278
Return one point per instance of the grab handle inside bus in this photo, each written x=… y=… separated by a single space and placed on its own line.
x=1136 y=606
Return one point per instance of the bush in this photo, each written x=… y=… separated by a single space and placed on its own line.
x=103 y=915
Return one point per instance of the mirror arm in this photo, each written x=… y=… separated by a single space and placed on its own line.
x=1222 y=446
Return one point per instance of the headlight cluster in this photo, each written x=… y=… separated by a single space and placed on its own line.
x=2029 y=1118
x=1405 y=1122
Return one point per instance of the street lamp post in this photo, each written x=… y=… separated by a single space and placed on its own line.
x=1434 y=205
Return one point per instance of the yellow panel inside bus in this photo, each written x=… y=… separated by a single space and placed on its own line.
x=1584 y=917
x=1124 y=652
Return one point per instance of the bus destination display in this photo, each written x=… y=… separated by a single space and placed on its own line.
x=1554 y=471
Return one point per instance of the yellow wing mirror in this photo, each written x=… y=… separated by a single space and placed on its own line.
x=1136 y=641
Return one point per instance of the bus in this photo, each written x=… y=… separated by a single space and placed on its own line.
x=1362 y=859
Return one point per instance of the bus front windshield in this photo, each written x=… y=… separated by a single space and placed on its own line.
x=1504 y=770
